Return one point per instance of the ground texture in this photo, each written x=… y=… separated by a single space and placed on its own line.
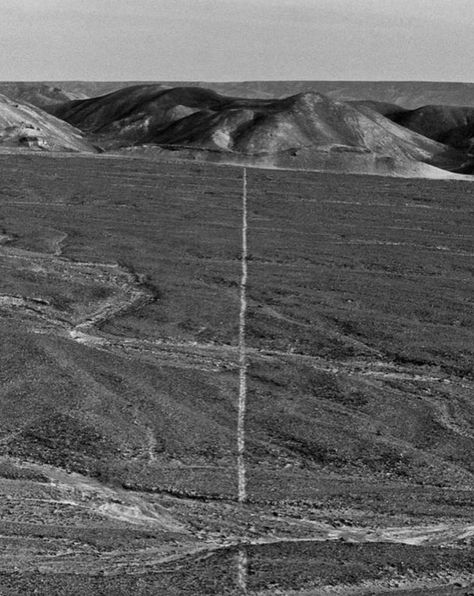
x=119 y=307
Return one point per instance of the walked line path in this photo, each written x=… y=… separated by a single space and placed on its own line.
x=242 y=488
x=242 y=564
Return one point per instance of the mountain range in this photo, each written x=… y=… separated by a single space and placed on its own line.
x=407 y=94
x=307 y=130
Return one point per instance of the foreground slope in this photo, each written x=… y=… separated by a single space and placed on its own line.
x=23 y=125
x=119 y=310
x=107 y=288
x=305 y=131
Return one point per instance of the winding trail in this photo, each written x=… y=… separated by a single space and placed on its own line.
x=127 y=293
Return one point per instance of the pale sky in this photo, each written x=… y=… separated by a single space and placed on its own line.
x=234 y=40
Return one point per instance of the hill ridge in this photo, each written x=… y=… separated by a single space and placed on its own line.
x=307 y=130
x=23 y=125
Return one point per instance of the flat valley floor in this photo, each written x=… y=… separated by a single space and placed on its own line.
x=119 y=378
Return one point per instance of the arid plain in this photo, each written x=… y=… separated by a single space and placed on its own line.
x=119 y=310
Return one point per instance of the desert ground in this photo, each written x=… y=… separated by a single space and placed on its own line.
x=119 y=314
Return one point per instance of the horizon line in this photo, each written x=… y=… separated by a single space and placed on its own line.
x=142 y=80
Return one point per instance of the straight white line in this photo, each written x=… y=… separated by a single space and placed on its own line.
x=243 y=567
x=241 y=472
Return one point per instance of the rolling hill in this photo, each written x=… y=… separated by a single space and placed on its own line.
x=38 y=94
x=447 y=124
x=408 y=94
x=25 y=126
x=255 y=123
x=304 y=131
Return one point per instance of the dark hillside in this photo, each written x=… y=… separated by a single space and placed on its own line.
x=407 y=94
x=450 y=125
x=304 y=131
